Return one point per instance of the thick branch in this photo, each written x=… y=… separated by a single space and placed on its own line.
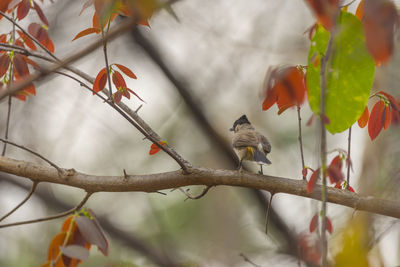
x=197 y=176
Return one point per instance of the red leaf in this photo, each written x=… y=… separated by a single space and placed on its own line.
x=30 y=89
x=314 y=223
x=38 y=32
x=3 y=38
x=23 y=9
x=380 y=18
x=29 y=43
x=335 y=174
x=118 y=80
x=50 y=45
x=4 y=64
x=313 y=180
x=386 y=117
x=351 y=189
x=155 y=149
x=21 y=68
x=325 y=11
x=270 y=99
x=31 y=62
x=304 y=172
x=4 y=5
x=363 y=120
x=117 y=96
x=375 y=122
x=126 y=71
x=291 y=88
x=395 y=116
x=135 y=95
x=126 y=94
x=391 y=99
x=100 y=81
x=337 y=161
x=338 y=185
x=40 y=13
x=86 y=32
x=329 y=226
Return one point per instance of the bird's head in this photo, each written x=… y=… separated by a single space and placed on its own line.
x=239 y=122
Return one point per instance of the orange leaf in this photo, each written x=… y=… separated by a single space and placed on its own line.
x=54 y=247
x=118 y=80
x=360 y=10
x=325 y=11
x=329 y=226
x=86 y=32
x=66 y=224
x=29 y=43
x=392 y=100
x=126 y=71
x=386 y=117
x=100 y=81
x=4 y=63
x=375 y=122
x=96 y=21
x=363 y=120
x=380 y=18
x=314 y=223
x=313 y=180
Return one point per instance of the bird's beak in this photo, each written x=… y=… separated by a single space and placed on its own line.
x=231 y=129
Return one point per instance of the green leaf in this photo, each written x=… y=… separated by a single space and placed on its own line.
x=349 y=73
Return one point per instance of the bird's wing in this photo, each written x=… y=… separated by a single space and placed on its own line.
x=265 y=143
x=245 y=139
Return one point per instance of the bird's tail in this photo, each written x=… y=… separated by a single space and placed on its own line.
x=260 y=157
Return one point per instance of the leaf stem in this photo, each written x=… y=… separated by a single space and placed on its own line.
x=106 y=59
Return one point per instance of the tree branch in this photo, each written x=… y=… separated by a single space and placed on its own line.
x=197 y=176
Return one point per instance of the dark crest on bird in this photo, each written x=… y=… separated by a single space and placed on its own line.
x=240 y=121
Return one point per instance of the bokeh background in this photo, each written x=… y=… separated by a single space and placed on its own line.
x=220 y=52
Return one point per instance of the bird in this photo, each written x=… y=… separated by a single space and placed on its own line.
x=249 y=144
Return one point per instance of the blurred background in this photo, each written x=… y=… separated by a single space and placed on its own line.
x=218 y=52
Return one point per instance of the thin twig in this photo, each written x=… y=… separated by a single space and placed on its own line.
x=189 y=196
x=301 y=141
x=348 y=160
x=60 y=215
x=34 y=153
x=248 y=260
x=268 y=212
x=67 y=61
x=29 y=35
x=181 y=163
x=33 y=188
x=10 y=80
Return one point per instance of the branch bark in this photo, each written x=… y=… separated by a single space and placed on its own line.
x=196 y=176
